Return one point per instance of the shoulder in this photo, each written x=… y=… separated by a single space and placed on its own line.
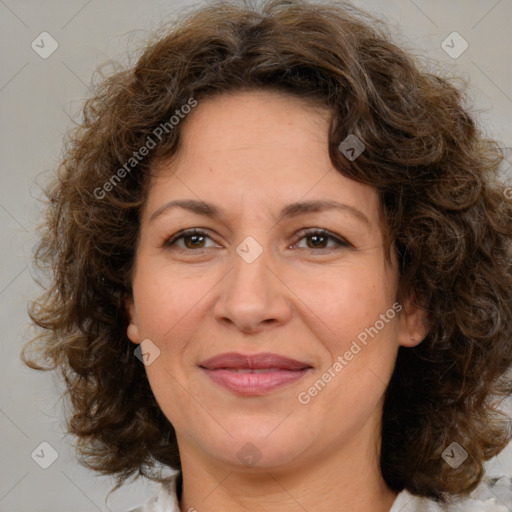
x=491 y=495
x=166 y=501
x=494 y=494
x=147 y=507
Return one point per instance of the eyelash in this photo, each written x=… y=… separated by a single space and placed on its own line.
x=341 y=243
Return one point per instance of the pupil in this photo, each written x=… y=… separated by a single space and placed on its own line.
x=194 y=237
x=316 y=237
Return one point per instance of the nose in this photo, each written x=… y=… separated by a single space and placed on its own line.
x=252 y=297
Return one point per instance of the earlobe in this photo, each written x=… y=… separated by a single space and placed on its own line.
x=413 y=325
x=132 y=330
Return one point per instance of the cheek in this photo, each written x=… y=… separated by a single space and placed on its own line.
x=166 y=301
x=346 y=302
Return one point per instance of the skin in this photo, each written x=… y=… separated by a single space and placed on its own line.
x=251 y=153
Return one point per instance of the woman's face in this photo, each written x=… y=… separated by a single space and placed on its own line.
x=260 y=279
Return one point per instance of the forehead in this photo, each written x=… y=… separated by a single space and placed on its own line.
x=256 y=150
x=248 y=114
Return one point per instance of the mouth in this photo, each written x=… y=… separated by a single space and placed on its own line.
x=253 y=375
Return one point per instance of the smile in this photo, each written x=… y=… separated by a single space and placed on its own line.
x=254 y=382
x=253 y=375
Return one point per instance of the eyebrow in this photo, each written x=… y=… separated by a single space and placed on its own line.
x=290 y=210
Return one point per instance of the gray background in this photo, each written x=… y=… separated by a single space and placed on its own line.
x=38 y=100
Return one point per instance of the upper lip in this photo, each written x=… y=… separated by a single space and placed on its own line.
x=265 y=360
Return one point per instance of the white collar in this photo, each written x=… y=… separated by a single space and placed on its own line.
x=487 y=497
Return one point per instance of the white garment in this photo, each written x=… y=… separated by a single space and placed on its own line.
x=492 y=495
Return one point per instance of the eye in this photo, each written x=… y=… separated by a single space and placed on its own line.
x=319 y=237
x=192 y=239
x=195 y=239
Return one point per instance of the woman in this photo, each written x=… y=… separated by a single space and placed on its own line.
x=303 y=236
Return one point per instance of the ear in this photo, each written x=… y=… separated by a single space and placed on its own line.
x=132 y=330
x=412 y=323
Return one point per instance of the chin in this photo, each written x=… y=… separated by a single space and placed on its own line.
x=255 y=449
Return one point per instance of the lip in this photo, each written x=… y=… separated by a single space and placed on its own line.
x=264 y=360
x=255 y=374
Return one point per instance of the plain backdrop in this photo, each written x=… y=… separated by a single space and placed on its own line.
x=39 y=98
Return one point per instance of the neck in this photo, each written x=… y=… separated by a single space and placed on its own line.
x=346 y=478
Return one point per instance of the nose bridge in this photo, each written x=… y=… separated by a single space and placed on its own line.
x=251 y=293
x=249 y=279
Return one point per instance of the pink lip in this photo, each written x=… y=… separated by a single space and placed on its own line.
x=222 y=369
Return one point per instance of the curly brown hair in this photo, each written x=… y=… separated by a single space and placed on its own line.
x=443 y=202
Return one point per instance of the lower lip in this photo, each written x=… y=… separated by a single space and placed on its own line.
x=254 y=384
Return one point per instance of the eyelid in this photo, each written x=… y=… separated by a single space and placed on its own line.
x=185 y=232
x=301 y=234
x=339 y=240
